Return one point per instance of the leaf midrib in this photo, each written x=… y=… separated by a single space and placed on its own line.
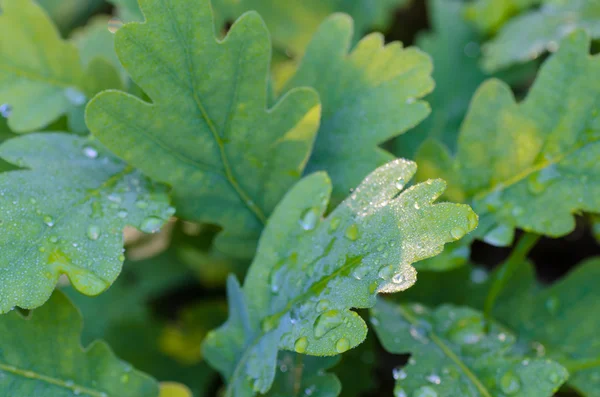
x=28 y=374
x=248 y=202
x=450 y=354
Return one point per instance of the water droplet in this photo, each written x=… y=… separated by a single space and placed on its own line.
x=76 y=97
x=419 y=332
x=425 y=391
x=539 y=349
x=552 y=304
x=400 y=182
x=93 y=232
x=310 y=390
x=509 y=383
x=5 y=110
x=301 y=345
x=502 y=337
x=309 y=219
x=457 y=232
x=410 y=100
x=122 y=214
x=327 y=322
x=53 y=239
x=398 y=373
x=121 y=258
x=472 y=220
x=151 y=225
x=114 y=24
x=539 y=181
x=417 y=206
x=48 y=221
x=386 y=272
x=334 y=224
x=360 y=272
x=342 y=345
x=90 y=152
x=352 y=232
x=467 y=330
x=434 y=378
x=398 y=278
x=373 y=287
x=323 y=305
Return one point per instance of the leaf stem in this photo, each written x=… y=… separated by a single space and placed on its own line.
x=517 y=256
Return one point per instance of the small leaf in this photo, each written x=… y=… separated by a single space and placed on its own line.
x=529 y=35
x=66 y=214
x=531 y=165
x=41 y=75
x=42 y=354
x=307 y=275
x=228 y=157
x=452 y=355
x=172 y=389
x=369 y=95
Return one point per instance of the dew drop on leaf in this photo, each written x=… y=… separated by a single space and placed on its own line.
x=398 y=373
x=301 y=345
x=457 y=232
x=309 y=219
x=90 y=152
x=434 y=378
x=425 y=391
x=342 y=345
x=399 y=391
x=48 y=221
x=151 y=225
x=334 y=224
x=360 y=272
x=323 y=305
x=122 y=214
x=509 y=383
x=93 y=232
x=327 y=322
x=386 y=272
x=400 y=182
x=352 y=232
x=5 y=110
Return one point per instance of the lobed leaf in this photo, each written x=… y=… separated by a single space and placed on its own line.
x=42 y=356
x=531 y=165
x=369 y=95
x=65 y=213
x=309 y=271
x=529 y=35
x=41 y=75
x=452 y=355
x=208 y=132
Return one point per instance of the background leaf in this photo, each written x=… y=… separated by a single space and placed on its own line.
x=452 y=355
x=310 y=271
x=369 y=95
x=68 y=216
x=228 y=157
x=42 y=356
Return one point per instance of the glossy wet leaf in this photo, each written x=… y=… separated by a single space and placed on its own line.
x=65 y=213
x=42 y=356
x=300 y=375
x=369 y=95
x=228 y=157
x=41 y=75
x=452 y=355
x=531 y=34
x=531 y=165
x=454 y=48
x=309 y=271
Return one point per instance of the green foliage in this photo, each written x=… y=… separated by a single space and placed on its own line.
x=368 y=97
x=269 y=126
x=453 y=355
x=42 y=356
x=310 y=271
x=228 y=157
x=541 y=30
x=515 y=161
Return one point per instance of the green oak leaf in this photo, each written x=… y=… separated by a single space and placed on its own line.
x=529 y=35
x=300 y=375
x=208 y=132
x=41 y=355
x=530 y=165
x=369 y=95
x=41 y=75
x=309 y=271
x=452 y=355
x=65 y=214
x=454 y=48
x=491 y=15
x=557 y=321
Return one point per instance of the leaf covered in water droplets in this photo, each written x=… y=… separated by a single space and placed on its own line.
x=41 y=75
x=42 y=356
x=208 y=132
x=453 y=355
x=309 y=270
x=369 y=95
x=533 y=164
x=65 y=213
